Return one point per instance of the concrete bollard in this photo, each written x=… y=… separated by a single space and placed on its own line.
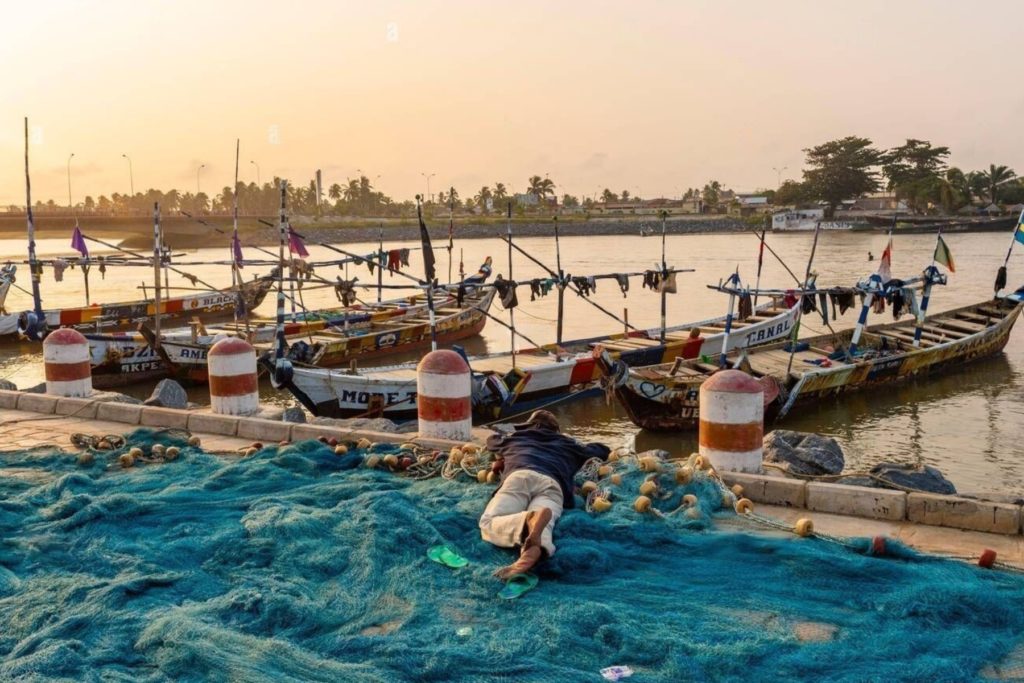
x=66 y=361
x=732 y=421
x=443 y=396
x=234 y=389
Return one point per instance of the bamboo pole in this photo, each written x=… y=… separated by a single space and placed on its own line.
x=799 y=312
x=37 y=302
x=157 y=262
x=561 y=288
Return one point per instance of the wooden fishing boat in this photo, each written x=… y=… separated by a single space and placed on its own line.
x=126 y=315
x=665 y=397
x=504 y=386
x=125 y=358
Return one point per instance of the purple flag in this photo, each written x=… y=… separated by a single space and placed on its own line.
x=78 y=242
x=295 y=244
x=236 y=251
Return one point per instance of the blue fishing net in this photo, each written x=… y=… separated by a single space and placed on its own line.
x=298 y=564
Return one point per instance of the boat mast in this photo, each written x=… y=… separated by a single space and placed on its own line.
x=511 y=311
x=157 y=262
x=760 y=259
x=236 y=275
x=799 y=312
x=664 y=275
x=37 y=302
x=561 y=286
x=283 y=237
x=1018 y=235
x=380 y=262
x=451 y=229
x=723 y=357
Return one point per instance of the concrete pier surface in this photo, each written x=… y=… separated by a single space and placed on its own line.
x=921 y=521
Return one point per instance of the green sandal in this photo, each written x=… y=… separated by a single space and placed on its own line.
x=444 y=554
x=517 y=585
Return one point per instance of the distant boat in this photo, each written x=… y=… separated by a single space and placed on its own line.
x=503 y=386
x=665 y=397
x=805 y=220
x=125 y=315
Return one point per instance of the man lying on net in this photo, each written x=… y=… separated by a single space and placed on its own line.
x=540 y=464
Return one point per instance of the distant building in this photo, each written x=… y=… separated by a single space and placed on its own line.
x=650 y=206
x=749 y=204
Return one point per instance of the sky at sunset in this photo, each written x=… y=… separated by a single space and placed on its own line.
x=652 y=97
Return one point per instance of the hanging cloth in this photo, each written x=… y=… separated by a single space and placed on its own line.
x=582 y=285
x=623 y=281
x=403 y=256
x=506 y=292
x=898 y=302
x=790 y=299
x=345 y=290
x=59 y=266
x=535 y=289
x=394 y=261
x=546 y=285
x=807 y=304
x=668 y=284
x=103 y=267
x=823 y=306
x=878 y=305
x=745 y=308
x=911 y=298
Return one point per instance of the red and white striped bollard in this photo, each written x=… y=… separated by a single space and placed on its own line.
x=67 y=366
x=234 y=389
x=731 y=432
x=444 y=396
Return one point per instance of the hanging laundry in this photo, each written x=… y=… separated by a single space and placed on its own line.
x=623 y=281
x=846 y=298
x=403 y=255
x=652 y=279
x=506 y=292
x=790 y=299
x=911 y=298
x=878 y=305
x=745 y=308
x=898 y=302
x=546 y=285
x=807 y=304
x=103 y=267
x=357 y=260
x=460 y=295
x=59 y=266
x=345 y=290
x=668 y=284
x=823 y=306
x=394 y=261
x=535 y=289
x=582 y=285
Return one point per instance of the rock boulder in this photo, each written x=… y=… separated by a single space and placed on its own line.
x=803 y=453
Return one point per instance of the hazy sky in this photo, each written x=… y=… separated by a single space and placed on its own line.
x=652 y=97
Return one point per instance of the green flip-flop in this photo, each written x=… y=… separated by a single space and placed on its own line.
x=517 y=585
x=444 y=554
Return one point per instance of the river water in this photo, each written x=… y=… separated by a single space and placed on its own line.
x=969 y=424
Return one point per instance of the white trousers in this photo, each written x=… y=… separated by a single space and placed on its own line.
x=504 y=520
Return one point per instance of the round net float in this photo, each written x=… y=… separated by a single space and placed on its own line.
x=587 y=488
x=407 y=446
x=333 y=441
x=492 y=477
x=616 y=479
x=85 y=459
x=470 y=448
x=455 y=455
x=690 y=500
x=684 y=474
x=256 y=444
x=743 y=506
x=601 y=505
x=642 y=504
x=340 y=449
x=363 y=444
x=604 y=470
x=701 y=463
x=613 y=456
x=126 y=460
x=405 y=462
x=649 y=463
x=158 y=449
x=878 y=546
x=104 y=445
x=172 y=453
x=195 y=441
x=322 y=439
x=481 y=476
x=804 y=527
x=648 y=488
x=372 y=462
x=391 y=460
x=424 y=459
x=987 y=559
x=135 y=452
x=737 y=490
x=250 y=451
x=728 y=500
x=692 y=513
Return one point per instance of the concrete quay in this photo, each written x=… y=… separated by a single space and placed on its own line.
x=948 y=525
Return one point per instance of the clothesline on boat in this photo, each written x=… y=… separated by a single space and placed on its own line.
x=862 y=287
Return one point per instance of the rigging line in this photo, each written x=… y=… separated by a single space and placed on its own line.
x=187 y=276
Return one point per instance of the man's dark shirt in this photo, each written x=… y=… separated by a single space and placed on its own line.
x=545 y=451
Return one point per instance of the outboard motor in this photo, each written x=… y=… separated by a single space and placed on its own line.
x=31 y=327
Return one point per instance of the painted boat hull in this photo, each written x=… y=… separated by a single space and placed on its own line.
x=660 y=404
x=547 y=375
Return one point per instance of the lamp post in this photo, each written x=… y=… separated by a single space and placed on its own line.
x=131 y=175
x=778 y=175
x=71 y=206
x=258 y=183
x=428 y=177
x=201 y=167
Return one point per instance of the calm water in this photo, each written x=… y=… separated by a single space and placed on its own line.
x=970 y=424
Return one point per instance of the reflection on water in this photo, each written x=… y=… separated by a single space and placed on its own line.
x=970 y=423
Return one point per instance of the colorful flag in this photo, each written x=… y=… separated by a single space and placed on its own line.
x=943 y=255
x=885 y=264
x=1019 y=235
x=428 y=251
x=236 y=251
x=295 y=243
x=78 y=242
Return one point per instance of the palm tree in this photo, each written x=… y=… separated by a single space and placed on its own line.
x=483 y=196
x=540 y=187
x=625 y=195
x=609 y=196
x=500 y=192
x=996 y=176
x=334 y=192
x=351 y=191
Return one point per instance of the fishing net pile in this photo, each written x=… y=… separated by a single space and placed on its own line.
x=297 y=563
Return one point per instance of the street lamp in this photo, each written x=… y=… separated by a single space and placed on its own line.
x=201 y=167
x=258 y=183
x=131 y=175
x=70 y=205
x=428 y=177
x=778 y=175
